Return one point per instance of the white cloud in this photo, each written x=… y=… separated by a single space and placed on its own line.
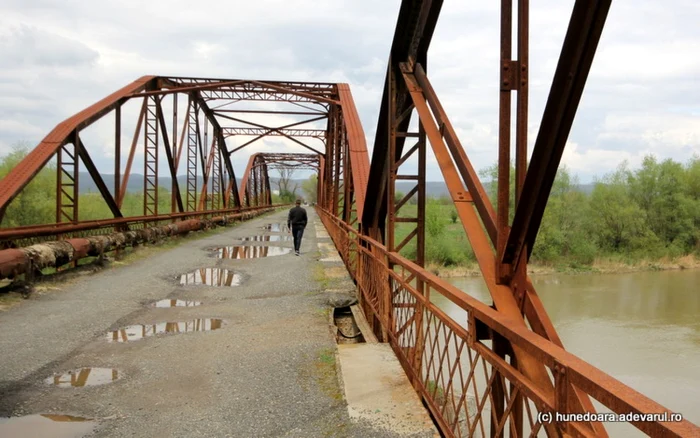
x=599 y=161
x=58 y=58
x=25 y=45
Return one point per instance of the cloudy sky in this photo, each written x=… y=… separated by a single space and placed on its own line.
x=57 y=57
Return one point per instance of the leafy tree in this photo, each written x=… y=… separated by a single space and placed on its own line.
x=491 y=175
x=434 y=224
x=619 y=223
x=563 y=231
x=692 y=189
x=667 y=193
x=310 y=188
x=693 y=180
x=36 y=203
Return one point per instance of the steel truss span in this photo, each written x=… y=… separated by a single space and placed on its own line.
x=498 y=370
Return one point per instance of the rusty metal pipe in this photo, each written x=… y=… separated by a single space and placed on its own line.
x=17 y=261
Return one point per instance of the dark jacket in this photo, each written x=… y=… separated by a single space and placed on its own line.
x=297 y=217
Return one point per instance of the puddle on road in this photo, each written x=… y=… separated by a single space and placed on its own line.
x=276 y=228
x=211 y=277
x=166 y=303
x=266 y=238
x=250 y=252
x=49 y=425
x=84 y=377
x=140 y=331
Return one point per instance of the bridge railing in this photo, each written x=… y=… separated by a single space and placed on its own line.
x=460 y=364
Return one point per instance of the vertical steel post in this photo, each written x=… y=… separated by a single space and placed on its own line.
x=150 y=162
x=347 y=181
x=216 y=174
x=173 y=187
x=76 y=176
x=504 y=119
x=59 y=184
x=390 y=171
x=67 y=181
x=336 y=162
x=117 y=149
x=522 y=98
x=330 y=153
x=386 y=285
x=516 y=424
x=420 y=242
x=192 y=143
x=321 y=186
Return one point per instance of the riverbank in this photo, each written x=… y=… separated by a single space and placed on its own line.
x=599 y=266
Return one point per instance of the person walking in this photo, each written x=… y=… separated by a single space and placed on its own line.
x=296 y=222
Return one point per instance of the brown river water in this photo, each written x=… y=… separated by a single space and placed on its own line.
x=641 y=328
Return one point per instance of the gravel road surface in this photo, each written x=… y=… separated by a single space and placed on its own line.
x=268 y=371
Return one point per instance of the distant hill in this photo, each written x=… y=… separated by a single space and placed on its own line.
x=434 y=189
x=586 y=188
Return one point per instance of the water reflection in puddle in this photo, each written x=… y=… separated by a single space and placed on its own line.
x=276 y=228
x=211 y=277
x=175 y=303
x=271 y=238
x=140 y=331
x=250 y=252
x=46 y=425
x=84 y=377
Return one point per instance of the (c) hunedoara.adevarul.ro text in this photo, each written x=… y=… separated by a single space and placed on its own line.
x=549 y=417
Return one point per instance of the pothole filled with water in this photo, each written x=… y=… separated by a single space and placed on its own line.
x=276 y=228
x=166 y=303
x=84 y=377
x=271 y=238
x=53 y=425
x=141 y=331
x=250 y=252
x=211 y=277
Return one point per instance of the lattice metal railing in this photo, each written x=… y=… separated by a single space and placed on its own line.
x=463 y=363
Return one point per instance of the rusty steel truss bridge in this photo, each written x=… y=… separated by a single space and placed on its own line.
x=498 y=371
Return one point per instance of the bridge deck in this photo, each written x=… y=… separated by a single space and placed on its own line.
x=269 y=370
